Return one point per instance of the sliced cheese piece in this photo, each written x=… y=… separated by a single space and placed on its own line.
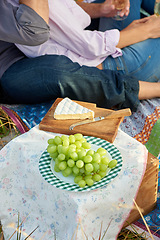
x=68 y=109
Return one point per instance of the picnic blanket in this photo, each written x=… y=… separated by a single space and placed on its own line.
x=143 y=125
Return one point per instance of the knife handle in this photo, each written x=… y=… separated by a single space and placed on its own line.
x=120 y=113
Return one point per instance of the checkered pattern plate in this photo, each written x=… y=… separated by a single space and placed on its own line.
x=50 y=177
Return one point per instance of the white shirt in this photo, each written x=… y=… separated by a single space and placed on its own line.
x=68 y=36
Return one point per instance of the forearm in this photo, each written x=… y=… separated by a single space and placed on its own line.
x=39 y=6
x=93 y=9
x=130 y=37
x=103 y=9
x=140 y=30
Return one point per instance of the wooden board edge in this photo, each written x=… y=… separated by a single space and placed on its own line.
x=152 y=163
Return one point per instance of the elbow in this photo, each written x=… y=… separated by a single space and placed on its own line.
x=31 y=28
x=38 y=39
x=34 y=38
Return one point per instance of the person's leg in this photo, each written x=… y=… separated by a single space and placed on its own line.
x=48 y=77
x=139 y=60
x=149 y=90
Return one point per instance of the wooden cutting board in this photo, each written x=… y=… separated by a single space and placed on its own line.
x=105 y=129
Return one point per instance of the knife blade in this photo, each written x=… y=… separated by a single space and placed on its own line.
x=114 y=114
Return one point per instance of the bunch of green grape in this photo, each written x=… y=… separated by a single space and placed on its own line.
x=73 y=155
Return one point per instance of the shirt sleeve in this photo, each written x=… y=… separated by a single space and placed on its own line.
x=68 y=31
x=22 y=25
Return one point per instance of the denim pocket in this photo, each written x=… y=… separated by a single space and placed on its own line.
x=114 y=64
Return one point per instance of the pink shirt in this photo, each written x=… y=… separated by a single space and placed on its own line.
x=68 y=37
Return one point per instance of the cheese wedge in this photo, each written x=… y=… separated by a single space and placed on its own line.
x=68 y=109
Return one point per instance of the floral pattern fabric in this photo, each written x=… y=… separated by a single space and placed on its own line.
x=68 y=215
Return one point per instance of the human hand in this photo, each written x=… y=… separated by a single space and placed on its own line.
x=125 y=8
x=108 y=9
x=150 y=25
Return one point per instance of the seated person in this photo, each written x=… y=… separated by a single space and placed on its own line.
x=44 y=78
x=132 y=51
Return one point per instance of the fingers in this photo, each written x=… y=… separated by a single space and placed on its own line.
x=108 y=9
x=125 y=11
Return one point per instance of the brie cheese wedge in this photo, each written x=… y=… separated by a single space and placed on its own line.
x=68 y=109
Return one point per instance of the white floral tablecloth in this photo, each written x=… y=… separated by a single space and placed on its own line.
x=68 y=215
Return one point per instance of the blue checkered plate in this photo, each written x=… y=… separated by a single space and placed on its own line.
x=46 y=168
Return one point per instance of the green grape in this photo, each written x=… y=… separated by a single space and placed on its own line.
x=102 y=174
x=90 y=152
x=78 y=150
x=89 y=182
x=64 y=174
x=51 y=148
x=105 y=160
x=51 y=141
x=56 y=168
x=81 y=154
x=64 y=150
x=95 y=167
x=96 y=177
x=79 y=163
x=82 y=183
x=57 y=140
x=71 y=163
x=96 y=157
x=62 y=165
x=112 y=163
x=83 y=140
x=54 y=155
x=72 y=139
x=61 y=157
x=82 y=149
x=88 y=177
x=78 y=136
x=59 y=148
x=57 y=161
x=67 y=171
x=74 y=156
x=78 y=144
x=103 y=167
x=78 y=178
x=72 y=147
x=81 y=170
x=87 y=159
x=75 y=170
x=64 y=137
x=69 y=153
x=89 y=167
x=87 y=173
x=101 y=151
x=86 y=145
x=66 y=143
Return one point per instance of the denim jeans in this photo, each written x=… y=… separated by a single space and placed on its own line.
x=141 y=60
x=48 y=77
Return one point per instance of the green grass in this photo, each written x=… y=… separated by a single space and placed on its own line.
x=7 y=127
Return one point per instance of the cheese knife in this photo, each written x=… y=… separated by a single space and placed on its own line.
x=114 y=114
